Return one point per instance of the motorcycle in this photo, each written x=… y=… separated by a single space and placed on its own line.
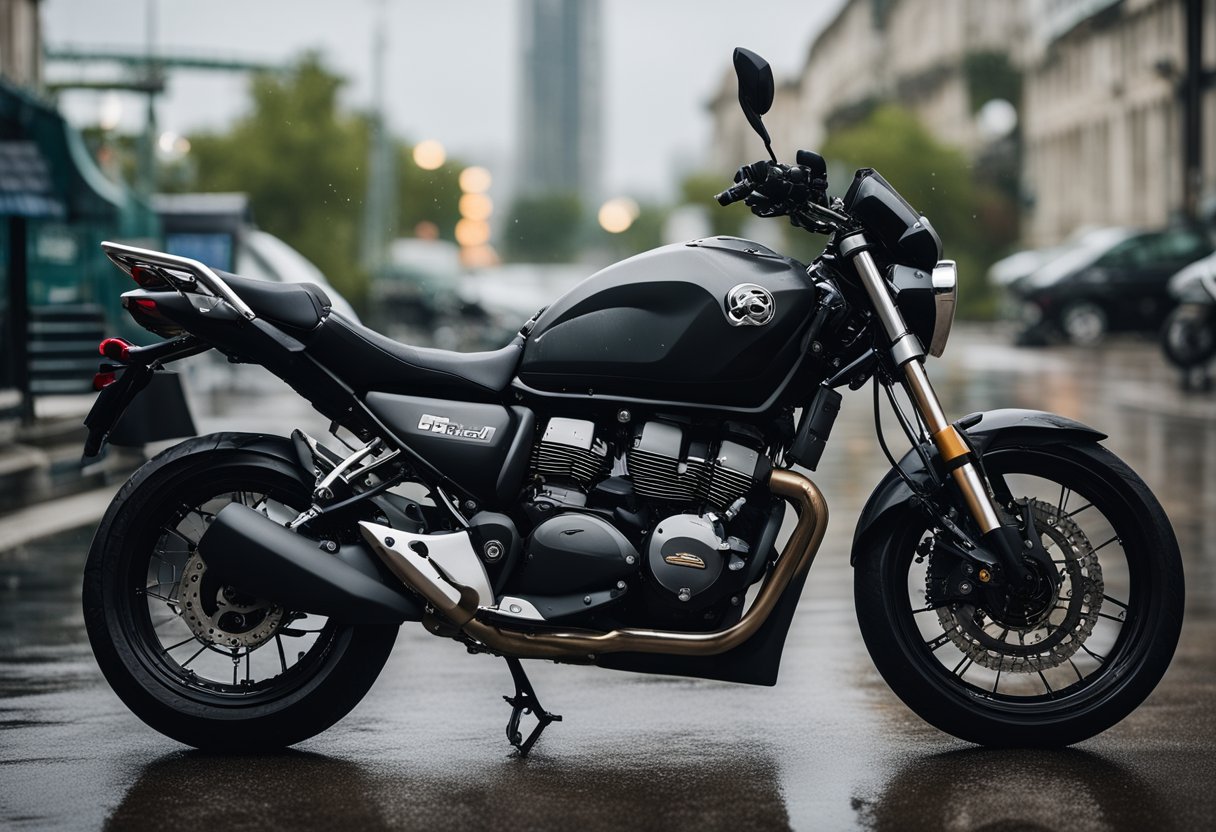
x=1188 y=337
x=608 y=489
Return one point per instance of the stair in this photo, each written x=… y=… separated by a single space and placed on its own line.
x=63 y=343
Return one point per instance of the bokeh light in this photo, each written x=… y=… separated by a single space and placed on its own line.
x=429 y=155
x=476 y=206
x=472 y=232
x=475 y=180
x=617 y=214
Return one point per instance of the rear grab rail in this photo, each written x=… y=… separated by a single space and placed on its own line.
x=128 y=257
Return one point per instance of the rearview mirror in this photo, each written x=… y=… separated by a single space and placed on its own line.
x=755 y=91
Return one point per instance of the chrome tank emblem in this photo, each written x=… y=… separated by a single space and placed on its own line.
x=749 y=305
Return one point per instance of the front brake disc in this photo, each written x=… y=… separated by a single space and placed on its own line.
x=1060 y=631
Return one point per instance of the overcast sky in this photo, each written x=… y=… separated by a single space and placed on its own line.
x=452 y=66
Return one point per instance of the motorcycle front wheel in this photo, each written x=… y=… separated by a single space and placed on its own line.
x=1076 y=664
x=194 y=657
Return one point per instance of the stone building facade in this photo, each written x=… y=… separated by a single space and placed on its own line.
x=915 y=52
x=20 y=43
x=1103 y=119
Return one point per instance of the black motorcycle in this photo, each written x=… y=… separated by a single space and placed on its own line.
x=1188 y=337
x=609 y=487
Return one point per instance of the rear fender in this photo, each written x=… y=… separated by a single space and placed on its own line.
x=892 y=501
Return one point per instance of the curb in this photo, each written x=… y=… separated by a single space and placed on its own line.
x=32 y=523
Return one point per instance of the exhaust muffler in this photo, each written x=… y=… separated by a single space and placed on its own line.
x=269 y=561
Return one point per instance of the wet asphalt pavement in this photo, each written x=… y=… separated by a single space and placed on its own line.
x=830 y=747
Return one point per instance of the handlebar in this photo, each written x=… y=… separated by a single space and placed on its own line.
x=734 y=193
x=798 y=191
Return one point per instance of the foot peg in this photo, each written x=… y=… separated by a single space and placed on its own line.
x=525 y=702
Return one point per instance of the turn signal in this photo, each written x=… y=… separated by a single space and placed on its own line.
x=115 y=349
x=103 y=380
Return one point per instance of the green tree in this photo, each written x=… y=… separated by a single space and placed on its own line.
x=303 y=163
x=543 y=229
x=938 y=182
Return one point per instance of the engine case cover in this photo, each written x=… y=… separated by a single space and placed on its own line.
x=684 y=555
x=574 y=552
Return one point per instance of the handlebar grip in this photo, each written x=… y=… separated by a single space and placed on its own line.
x=734 y=193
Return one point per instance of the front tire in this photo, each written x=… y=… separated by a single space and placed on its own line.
x=948 y=662
x=301 y=674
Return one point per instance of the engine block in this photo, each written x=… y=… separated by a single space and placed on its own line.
x=661 y=470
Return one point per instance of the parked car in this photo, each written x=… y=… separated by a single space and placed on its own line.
x=1119 y=281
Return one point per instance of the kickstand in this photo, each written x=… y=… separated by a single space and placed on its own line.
x=525 y=702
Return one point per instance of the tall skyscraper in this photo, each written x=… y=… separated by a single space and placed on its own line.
x=561 y=101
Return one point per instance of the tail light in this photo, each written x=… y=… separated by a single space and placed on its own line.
x=104 y=379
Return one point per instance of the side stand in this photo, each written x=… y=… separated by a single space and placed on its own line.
x=525 y=702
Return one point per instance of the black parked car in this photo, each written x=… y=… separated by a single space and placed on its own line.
x=1121 y=284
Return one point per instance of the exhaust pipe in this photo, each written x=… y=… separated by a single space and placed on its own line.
x=269 y=561
x=456 y=593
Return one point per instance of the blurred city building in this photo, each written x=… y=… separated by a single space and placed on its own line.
x=1109 y=132
x=924 y=54
x=561 y=98
x=1112 y=97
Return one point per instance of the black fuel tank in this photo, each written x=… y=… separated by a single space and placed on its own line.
x=656 y=326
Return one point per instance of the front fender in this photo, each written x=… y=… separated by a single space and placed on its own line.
x=891 y=501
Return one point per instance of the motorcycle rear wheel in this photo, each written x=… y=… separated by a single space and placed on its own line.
x=947 y=662
x=301 y=674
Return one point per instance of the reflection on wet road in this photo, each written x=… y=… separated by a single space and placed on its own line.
x=828 y=748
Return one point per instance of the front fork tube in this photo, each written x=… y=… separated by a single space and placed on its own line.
x=908 y=354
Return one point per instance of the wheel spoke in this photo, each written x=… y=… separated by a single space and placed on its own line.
x=1065 y=493
x=998 y=678
x=1076 y=670
x=1050 y=692
x=965 y=663
x=1107 y=543
x=1099 y=658
x=157 y=596
x=278 y=640
x=179 y=644
x=195 y=656
x=1115 y=601
x=1075 y=512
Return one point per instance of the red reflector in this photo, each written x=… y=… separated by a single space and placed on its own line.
x=116 y=349
x=145 y=303
x=102 y=380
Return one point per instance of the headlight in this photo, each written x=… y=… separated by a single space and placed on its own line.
x=945 y=291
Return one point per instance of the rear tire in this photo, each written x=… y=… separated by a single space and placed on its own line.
x=914 y=651
x=325 y=682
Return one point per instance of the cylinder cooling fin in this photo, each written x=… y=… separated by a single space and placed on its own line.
x=662 y=469
x=569 y=449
